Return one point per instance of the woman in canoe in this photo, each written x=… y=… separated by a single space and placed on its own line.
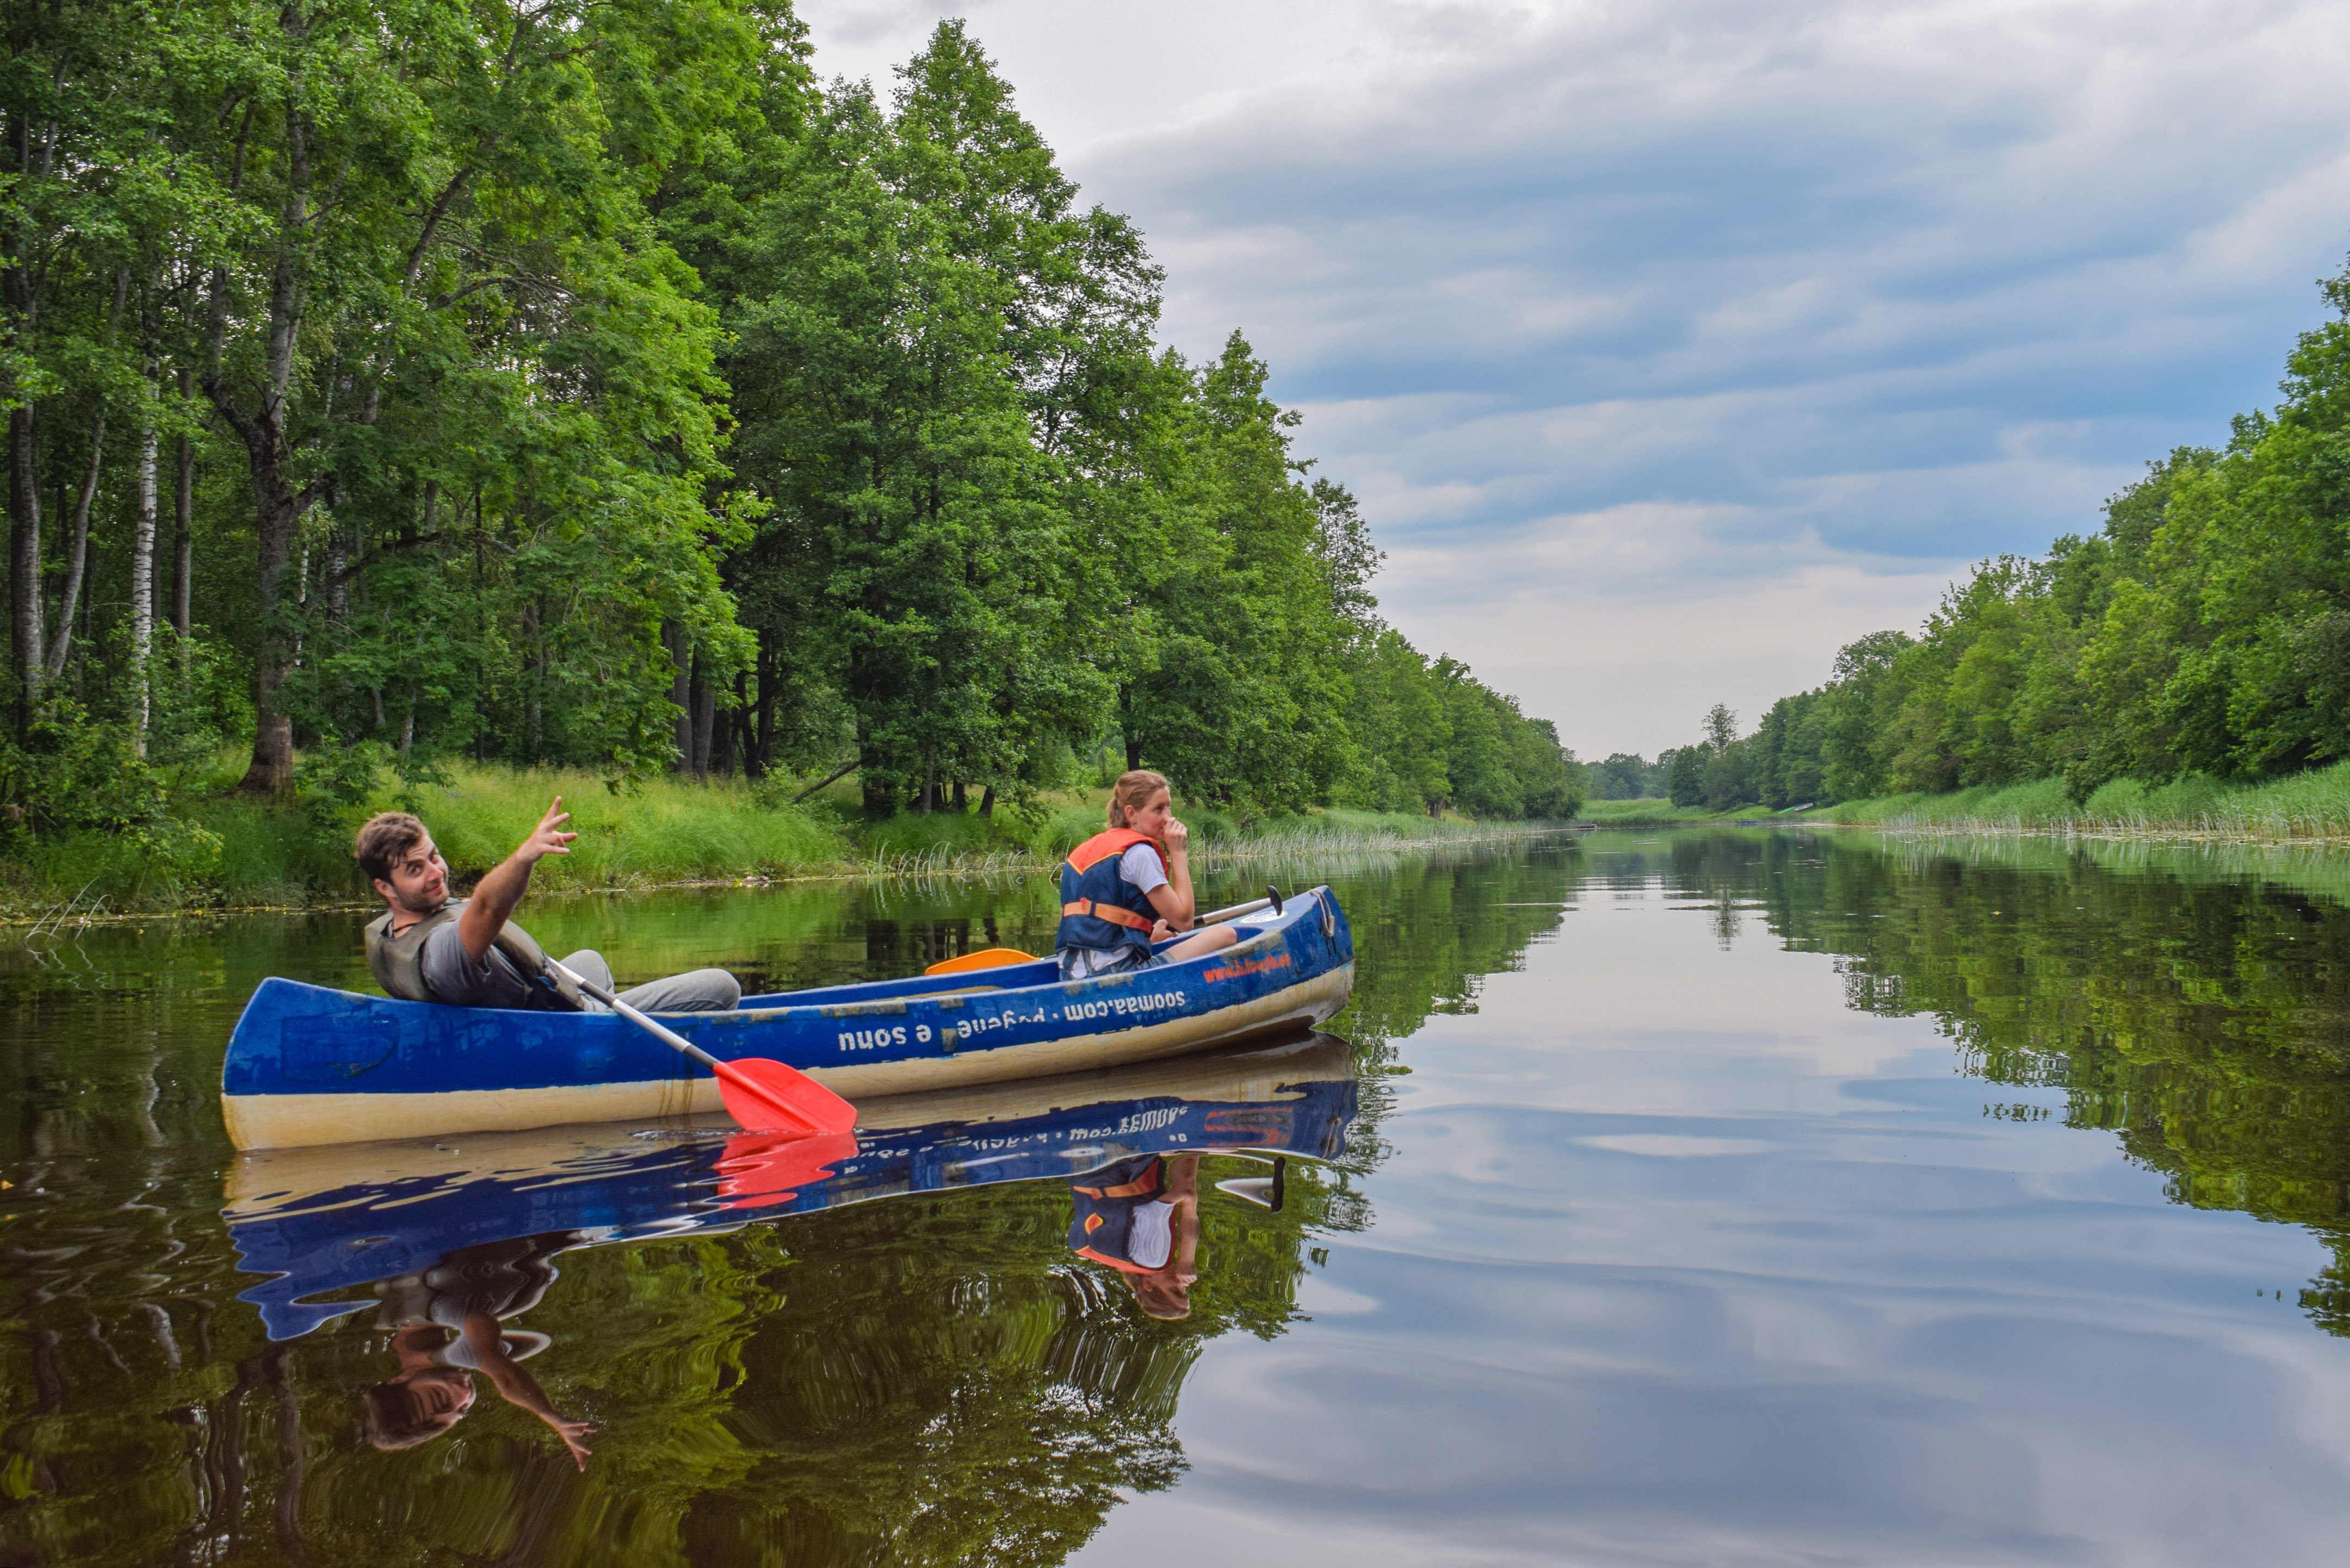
x=1141 y=1216
x=1130 y=886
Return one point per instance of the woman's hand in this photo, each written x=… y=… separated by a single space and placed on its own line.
x=1176 y=838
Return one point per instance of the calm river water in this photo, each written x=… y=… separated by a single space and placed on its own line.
x=1710 y=1197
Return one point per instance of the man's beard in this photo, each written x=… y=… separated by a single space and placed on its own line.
x=421 y=903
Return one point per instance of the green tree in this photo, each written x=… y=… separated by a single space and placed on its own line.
x=1688 y=786
x=1397 y=719
x=1240 y=690
x=582 y=384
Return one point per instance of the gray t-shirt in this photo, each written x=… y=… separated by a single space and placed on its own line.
x=455 y=979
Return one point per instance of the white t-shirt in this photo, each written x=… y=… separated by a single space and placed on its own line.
x=1140 y=866
x=1149 y=1236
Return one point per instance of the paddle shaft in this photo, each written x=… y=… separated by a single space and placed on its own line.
x=1014 y=955
x=797 y=1098
x=668 y=1038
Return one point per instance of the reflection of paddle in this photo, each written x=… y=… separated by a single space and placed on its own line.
x=998 y=958
x=760 y=1169
x=757 y=1093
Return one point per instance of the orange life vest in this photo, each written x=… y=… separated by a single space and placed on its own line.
x=1099 y=909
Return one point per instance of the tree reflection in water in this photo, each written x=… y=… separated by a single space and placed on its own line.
x=933 y=1378
x=2193 y=1000
x=904 y=1361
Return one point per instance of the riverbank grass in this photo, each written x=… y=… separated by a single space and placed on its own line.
x=2308 y=807
x=216 y=849
x=667 y=830
x=1661 y=814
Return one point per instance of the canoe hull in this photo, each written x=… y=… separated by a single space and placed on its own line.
x=322 y=1221
x=310 y=1066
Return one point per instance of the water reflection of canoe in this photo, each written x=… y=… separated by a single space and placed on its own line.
x=330 y=1219
x=311 y=1066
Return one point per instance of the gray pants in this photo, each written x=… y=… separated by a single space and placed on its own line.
x=700 y=990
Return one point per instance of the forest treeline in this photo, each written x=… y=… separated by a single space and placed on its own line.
x=2204 y=629
x=589 y=385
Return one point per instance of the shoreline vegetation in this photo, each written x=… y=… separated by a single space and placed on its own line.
x=2308 y=809
x=2182 y=672
x=229 y=853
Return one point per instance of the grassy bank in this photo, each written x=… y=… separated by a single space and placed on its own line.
x=1071 y=818
x=219 y=850
x=1660 y=814
x=2310 y=807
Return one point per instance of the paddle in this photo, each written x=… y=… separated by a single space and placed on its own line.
x=1271 y=901
x=757 y=1093
x=997 y=957
x=987 y=958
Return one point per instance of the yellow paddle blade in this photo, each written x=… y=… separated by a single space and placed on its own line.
x=991 y=957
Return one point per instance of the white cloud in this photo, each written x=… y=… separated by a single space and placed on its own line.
x=1640 y=327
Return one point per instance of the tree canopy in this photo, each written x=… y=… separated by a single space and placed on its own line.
x=588 y=384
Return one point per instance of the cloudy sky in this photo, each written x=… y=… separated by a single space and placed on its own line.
x=1672 y=345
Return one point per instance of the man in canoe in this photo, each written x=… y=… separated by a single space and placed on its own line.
x=1123 y=888
x=466 y=953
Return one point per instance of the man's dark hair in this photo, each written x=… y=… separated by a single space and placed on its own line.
x=392 y=1418
x=387 y=836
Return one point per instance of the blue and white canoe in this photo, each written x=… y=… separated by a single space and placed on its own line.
x=308 y=1064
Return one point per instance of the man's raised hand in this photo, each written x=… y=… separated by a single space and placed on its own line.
x=547 y=837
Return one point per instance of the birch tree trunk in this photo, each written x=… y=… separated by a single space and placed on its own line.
x=142 y=583
x=77 y=555
x=20 y=299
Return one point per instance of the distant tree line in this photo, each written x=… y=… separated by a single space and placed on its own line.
x=2205 y=629
x=586 y=384
x=1627 y=775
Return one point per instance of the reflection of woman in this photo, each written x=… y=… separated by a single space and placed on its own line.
x=446 y=1325
x=1141 y=1216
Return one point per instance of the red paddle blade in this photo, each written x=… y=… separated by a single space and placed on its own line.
x=769 y=1096
x=760 y=1169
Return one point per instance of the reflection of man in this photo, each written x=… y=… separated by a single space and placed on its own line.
x=447 y=1324
x=1141 y=1216
x=468 y=952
